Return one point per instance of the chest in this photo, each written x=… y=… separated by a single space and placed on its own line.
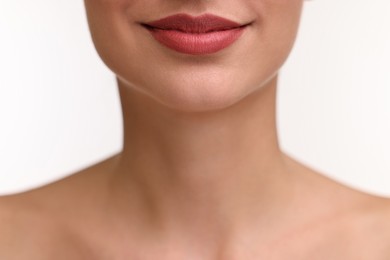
x=336 y=243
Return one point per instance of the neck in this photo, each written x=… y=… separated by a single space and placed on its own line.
x=214 y=171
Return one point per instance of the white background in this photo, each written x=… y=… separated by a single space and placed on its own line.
x=60 y=110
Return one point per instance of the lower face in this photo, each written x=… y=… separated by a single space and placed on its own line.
x=194 y=81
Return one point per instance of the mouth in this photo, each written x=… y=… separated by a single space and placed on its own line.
x=189 y=24
x=199 y=35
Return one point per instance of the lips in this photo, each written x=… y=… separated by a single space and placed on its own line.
x=186 y=23
x=204 y=34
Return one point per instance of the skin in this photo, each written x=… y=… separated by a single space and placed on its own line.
x=201 y=174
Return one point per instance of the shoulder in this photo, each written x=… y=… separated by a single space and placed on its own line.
x=361 y=231
x=26 y=231
x=375 y=220
x=19 y=230
x=356 y=224
x=31 y=229
x=5 y=225
x=367 y=229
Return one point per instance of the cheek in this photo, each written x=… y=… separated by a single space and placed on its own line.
x=110 y=4
x=108 y=26
x=280 y=25
x=282 y=16
x=275 y=32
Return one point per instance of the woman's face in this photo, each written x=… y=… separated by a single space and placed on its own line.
x=190 y=82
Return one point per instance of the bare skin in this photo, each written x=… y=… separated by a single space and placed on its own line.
x=201 y=174
x=104 y=212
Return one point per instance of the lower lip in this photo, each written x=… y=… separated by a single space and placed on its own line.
x=197 y=43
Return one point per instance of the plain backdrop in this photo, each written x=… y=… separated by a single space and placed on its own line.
x=60 y=110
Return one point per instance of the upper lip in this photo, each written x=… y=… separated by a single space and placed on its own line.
x=187 y=23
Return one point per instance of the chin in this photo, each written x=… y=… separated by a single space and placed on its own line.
x=194 y=95
x=199 y=101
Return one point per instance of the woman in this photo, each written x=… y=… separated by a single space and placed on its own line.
x=201 y=174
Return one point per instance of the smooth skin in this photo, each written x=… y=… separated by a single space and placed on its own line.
x=201 y=175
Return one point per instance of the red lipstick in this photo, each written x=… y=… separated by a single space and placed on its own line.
x=199 y=35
